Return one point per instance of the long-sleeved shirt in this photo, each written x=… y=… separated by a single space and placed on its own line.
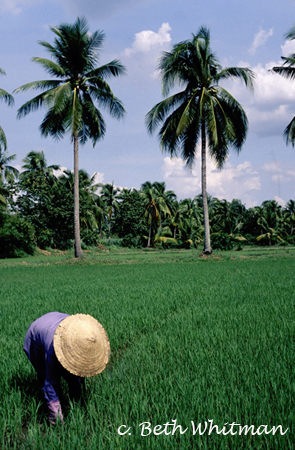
x=38 y=347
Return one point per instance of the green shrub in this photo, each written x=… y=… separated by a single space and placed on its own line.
x=221 y=241
x=131 y=242
x=17 y=237
x=251 y=240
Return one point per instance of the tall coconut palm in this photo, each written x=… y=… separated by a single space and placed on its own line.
x=4 y=95
x=71 y=98
x=287 y=70
x=203 y=111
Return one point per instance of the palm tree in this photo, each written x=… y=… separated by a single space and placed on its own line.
x=287 y=70
x=71 y=97
x=109 y=195
x=203 y=111
x=168 y=197
x=36 y=165
x=154 y=203
x=176 y=219
x=4 y=95
x=270 y=226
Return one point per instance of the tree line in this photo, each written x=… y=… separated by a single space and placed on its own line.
x=37 y=210
x=202 y=112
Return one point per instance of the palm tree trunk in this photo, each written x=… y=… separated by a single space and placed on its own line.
x=150 y=233
x=207 y=246
x=109 y=231
x=78 y=249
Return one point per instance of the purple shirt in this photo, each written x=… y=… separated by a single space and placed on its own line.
x=38 y=347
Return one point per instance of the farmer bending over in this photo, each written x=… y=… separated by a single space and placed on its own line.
x=73 y=347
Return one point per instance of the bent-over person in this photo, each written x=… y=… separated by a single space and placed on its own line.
x=73 y=347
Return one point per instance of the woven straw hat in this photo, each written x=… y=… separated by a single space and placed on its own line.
x=81 y=345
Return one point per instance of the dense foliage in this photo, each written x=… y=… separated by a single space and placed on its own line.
x=17 y=237
x=39 y=206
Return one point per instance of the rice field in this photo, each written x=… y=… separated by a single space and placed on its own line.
x=201 y=349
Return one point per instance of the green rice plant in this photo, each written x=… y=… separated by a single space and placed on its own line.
x=192 y=340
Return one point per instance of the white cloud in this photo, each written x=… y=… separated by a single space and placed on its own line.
x=271 y=166
x=290 y=173
x=147 y=40
x=270 y=108
x=288 y=48
x=99 y=177
x=280 y=201
x=60 y=171
x=141 y=58
x=233 y=181
x=260 y=39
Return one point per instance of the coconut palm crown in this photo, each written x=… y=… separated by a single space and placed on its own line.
x=72 y=97
x=287 y=70
x=203 y=111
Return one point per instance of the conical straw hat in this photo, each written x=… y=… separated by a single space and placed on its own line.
x=81 y=345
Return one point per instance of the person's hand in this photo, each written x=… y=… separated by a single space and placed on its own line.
x=55 y=412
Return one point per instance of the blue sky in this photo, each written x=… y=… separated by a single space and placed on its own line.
x=246 y=34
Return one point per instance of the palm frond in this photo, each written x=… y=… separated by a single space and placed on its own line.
x=33 y=104
x=55 y=124
x=93 y=123
x=50 y=66
x=8 y=98
x=290 y=34
x=42 y=84
x=242 y=73
x=107 y=99
x=3 y=140
x=289 y=132
x=158 y=113
x=114 y=68
x=286 y=72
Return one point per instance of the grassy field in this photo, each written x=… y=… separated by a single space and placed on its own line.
x=193 y=340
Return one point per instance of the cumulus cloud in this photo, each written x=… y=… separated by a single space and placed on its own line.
x=260 y=39
x=237 y=181
x=280 y=201
x=99 y=177
x=288 y=48
x=147 y=40
x=141 y=58
x=271 y=107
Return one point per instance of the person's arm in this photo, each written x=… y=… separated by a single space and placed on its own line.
x=51 y=388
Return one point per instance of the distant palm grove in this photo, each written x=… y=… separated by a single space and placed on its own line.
x=39 y=208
